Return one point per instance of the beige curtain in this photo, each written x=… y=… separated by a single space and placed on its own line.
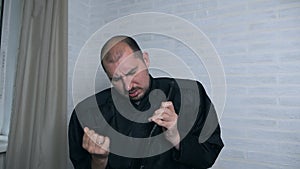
x=38 y=131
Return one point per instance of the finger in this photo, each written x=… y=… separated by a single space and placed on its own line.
x=86 y=129
x=165 y=120
x=168 y=111
x=106 y=143
x=93 y=136
x=85 y=137
x=166 y=117
x=159 y=111
x=90 y=145
x=93 y=142
x=165 y=108
x=164 y=114
x=85 y=141
x=100 y=140
x=156 y=114
x=168 y=105
x=90 y=132
x=103 y=149
x=160 y=122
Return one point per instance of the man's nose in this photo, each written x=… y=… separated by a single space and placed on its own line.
x=127 y=83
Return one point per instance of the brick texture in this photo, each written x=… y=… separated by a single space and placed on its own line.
x=258 y=42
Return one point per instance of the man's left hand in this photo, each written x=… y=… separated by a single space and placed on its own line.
x=166 y=117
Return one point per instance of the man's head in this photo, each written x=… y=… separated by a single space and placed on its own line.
x=126 y=66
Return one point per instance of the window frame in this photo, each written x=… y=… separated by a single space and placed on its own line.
x=10 y=36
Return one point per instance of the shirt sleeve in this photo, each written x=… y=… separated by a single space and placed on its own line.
x=194 y=153
x=80 y=158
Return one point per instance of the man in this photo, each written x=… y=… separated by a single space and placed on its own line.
x=135 y=98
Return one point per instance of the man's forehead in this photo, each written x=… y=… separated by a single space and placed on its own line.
x=117 y=51
x=110 y=44
x=114 y=54
x=124 y=64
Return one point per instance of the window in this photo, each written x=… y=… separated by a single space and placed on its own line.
x=2 y=65
x=1 y=61
x=1 y=14
x=10 y=34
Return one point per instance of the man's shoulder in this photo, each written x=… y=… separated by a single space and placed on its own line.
x=174 y=78
x=94 y=100
x=183 y=83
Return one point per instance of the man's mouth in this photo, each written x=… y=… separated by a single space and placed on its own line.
x=133 y=93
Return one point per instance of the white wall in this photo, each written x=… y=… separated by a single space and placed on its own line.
x=258 y=42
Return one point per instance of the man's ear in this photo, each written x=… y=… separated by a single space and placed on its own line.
x=146 y=59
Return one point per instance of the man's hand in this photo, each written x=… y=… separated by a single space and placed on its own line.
x=166 y=117
x=98 y=146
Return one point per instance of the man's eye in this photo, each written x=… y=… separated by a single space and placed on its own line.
x=115 y=79
x=130 y=73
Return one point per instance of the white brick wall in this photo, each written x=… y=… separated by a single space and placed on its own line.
x=258 y=42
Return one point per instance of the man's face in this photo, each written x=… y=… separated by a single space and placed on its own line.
x=128 y=73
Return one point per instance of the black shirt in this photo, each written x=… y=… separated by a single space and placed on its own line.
x=107 y=111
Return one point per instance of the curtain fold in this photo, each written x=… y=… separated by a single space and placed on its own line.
x=38 y=130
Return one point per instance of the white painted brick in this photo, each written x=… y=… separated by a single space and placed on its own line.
x=274 y=147
x=163 y=3
x=258 y=43
x=288 y=125
x=279 y=160
x=234 y=69
x=263 y=146
x=261 y=47
x=237 y=90
x=234 y=154
x=252 y=144
x=269 y=80
x=229 y=30
x=289 y=79
x=114 y=4
x=274 y=112
x=234 y=110
x=263 y=91
x=260 y=36
x=207 y=4
x=243 y=59
x=289 y=90
x=275 y=24
x=290 y=12
x=291 y=149
x=229 y=164
x=230 y=3
x=289 y=57
x=187 y=7
x=232 y=132
x=248 y=123
x=262 y=5
x=271 y=135
x=135 y=7
x=231 y=50
x=293 y=101
x=262 y=69
x=235 y=12
x=288 y=2
x=292 y=35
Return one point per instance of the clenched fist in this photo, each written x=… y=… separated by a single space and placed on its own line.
x=98 y=146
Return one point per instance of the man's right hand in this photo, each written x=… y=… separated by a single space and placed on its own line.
x=98 y=146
